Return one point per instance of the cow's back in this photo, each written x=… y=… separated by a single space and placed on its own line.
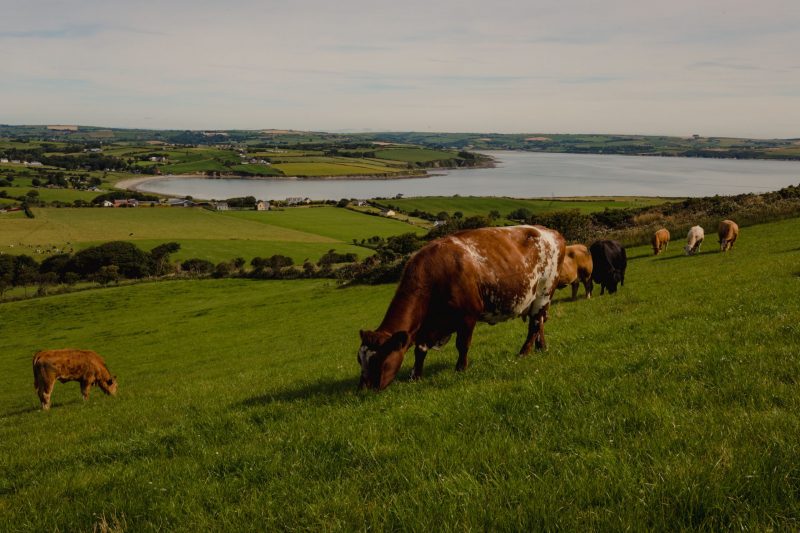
x=495 y=273
x=728 y=230
x=69 y=363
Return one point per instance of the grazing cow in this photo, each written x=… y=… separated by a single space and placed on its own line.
x=609 y=262
x=694 y=239
x=84 y=366
x=575 y=269
x=487 y=275
x=660 y=241
x=728 y=233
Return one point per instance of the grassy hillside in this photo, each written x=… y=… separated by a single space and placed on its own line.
x=674 y=404
x=299 y=233
x=475 y=205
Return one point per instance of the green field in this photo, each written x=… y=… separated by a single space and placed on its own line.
x=334 y=169
x=414 y=155
x=237 y=408
x=299 y=233
x=474 y=205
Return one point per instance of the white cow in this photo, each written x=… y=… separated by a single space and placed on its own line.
x=694 y=239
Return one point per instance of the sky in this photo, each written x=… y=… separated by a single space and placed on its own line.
x=708 y=67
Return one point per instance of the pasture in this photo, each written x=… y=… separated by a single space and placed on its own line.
x=476 y=205
x=674 y=404
x=299 y=233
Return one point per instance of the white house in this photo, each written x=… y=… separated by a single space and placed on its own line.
x=221 y=206
x=262 y=205
x=108 y=203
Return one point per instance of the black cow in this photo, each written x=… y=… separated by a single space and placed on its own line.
x=610 y=262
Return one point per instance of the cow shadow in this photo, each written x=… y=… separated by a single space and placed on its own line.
x=640 y=256
x=684 y=256
x=20 y=411
x=335 y=390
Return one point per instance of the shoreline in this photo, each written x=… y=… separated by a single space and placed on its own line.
x=135 y=184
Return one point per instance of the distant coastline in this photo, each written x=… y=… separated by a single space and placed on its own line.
x=136 y=184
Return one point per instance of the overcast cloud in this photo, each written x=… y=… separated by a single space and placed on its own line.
x=703 y=66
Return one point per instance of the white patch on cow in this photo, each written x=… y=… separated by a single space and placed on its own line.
x=470 y=250
x=364 y=355
x=548 y=257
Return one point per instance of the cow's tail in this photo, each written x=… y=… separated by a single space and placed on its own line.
x=36 y=371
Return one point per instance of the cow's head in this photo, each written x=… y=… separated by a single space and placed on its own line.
x=109 y=385
x=687 y=249
x=380 y=357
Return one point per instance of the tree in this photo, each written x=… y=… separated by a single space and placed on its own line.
x=130 y=260
x=494 y=214
x=197 y=267
x=160 y=257
x=26 y=269
x=107 y=274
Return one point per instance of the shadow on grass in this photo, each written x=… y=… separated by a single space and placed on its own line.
x=336 y=390
x=684 y=256
x=640 y=256
x=21 y=411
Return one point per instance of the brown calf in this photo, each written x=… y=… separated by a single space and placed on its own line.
x=728 y=233
x=84 y=366
x=660 y=241
x=576 y=269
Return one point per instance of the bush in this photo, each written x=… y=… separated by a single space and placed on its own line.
x=197 y=267
x=130 y=261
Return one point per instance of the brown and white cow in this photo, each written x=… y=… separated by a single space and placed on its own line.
x=694 y=239
x=84 y=366
x=660 y=241
x=728 y=233
x=576 y=269
x=487 y=275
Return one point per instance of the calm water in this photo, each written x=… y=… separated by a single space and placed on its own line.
x=524 y=175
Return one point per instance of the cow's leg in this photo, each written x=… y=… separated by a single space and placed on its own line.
x=533 y=332
x=589 y=286
x=463 y=342
x=575 y=286
x=45 y=390
x=419 y=361
x=602 y=289
x=540 y=344
x=86 y=386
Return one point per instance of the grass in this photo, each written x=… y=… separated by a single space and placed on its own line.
x=414 y=155
x=473 y=205
x=673 y=405
x=333 y=169
x=51 y=195
x=299 y=233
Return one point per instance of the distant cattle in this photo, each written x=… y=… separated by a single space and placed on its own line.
x=660 y=241
x=576 y=269
x=487 y=275
x=84 y=366
x=609 y=262
x=728 y=233
x=694 y=239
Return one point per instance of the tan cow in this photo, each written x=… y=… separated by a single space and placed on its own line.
x=84 y=366
x=576 y=269
x=660 y=241
x=728 y=233
x=694 y=239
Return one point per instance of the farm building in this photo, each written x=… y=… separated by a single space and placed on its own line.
x=262 y=205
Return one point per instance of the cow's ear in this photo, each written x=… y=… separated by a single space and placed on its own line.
x=110 y=381
x=397 y=341
x=363 y=335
